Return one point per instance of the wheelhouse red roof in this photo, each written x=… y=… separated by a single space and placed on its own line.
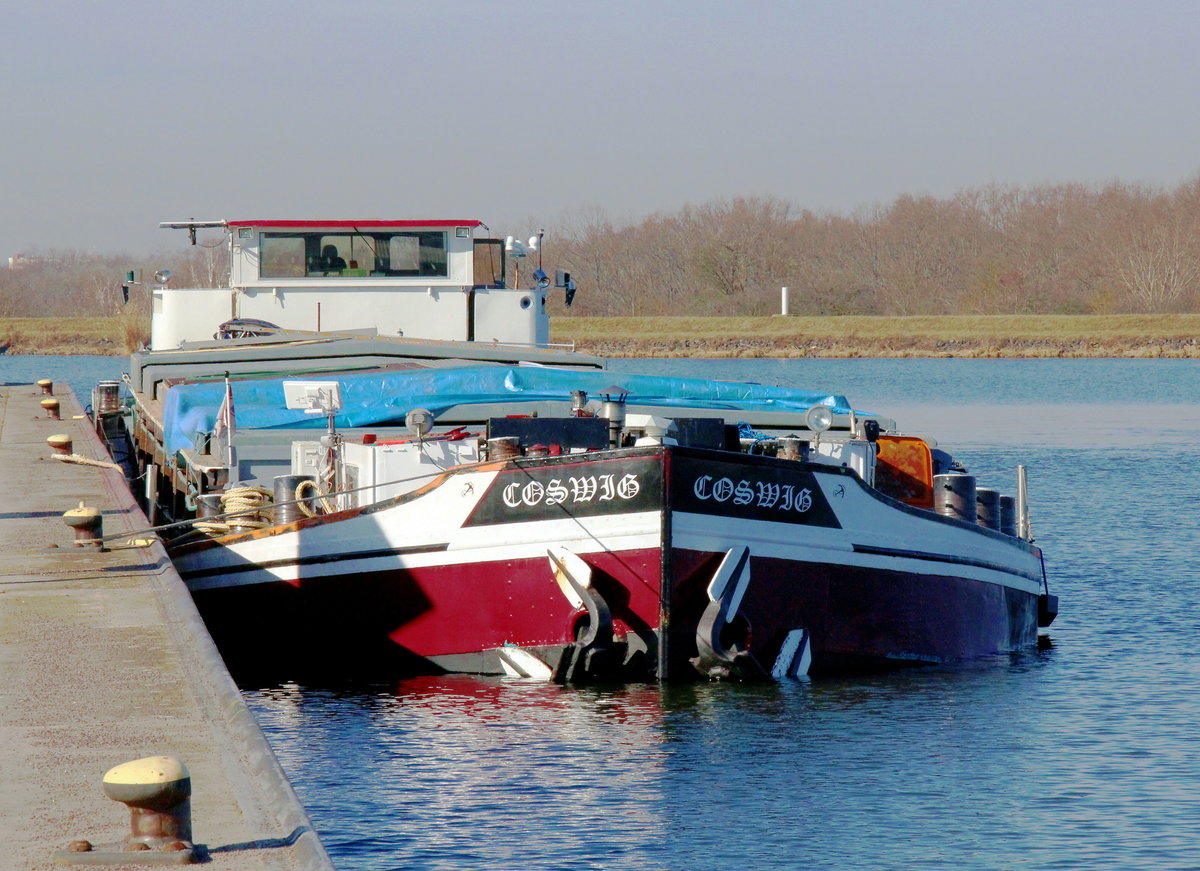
x=353 y=224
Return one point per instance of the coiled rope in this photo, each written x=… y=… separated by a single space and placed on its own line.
x=243 y=507
x=320 y=495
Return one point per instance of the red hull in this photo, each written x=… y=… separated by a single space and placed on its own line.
x=821 y=561
x=438 y=618
x=453 y=618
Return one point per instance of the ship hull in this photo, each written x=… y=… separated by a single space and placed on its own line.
x=645 y=563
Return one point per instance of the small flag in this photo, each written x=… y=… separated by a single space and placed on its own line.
x=226 y=422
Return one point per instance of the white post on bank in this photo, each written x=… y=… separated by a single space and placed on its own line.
x=783 y=305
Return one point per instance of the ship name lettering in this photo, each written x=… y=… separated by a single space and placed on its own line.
x=743 y=493
x=511 y=499
x=556 y=493
x=762 y=494
x=571 y=490
x=582 y=489
x=533 y=493
x=768 y=494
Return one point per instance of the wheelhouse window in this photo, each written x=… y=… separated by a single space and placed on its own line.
x=353 y=254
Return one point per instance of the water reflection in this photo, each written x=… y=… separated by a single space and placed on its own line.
x=483 y=772
x=495 y=773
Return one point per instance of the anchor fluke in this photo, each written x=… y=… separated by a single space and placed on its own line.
x=728 y=586
x=591 y=655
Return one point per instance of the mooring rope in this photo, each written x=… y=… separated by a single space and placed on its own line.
x=319 y=493
x=83 y=461
x=244 y=503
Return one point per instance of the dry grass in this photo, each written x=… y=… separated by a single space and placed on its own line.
x=116 y=335
x=959 y=336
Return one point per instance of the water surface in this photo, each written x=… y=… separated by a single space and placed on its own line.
x=1081 y=756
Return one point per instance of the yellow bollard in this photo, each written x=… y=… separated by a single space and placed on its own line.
x=158 y=792
x=87 y=523
x=50 y=406
x=60 y=443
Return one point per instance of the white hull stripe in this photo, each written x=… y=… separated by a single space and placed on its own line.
x=945 y=558
x=319 y=559
x=276 y=558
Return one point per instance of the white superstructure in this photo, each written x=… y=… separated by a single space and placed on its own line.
x=416 y=279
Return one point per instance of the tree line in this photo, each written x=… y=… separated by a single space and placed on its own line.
x=1061 y=249
x=66 y=283
x=1055 y=249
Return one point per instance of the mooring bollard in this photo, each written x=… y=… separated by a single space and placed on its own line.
x=50 y=406
x=158 y=792
x=87 y=523
x=46 y=386
x=60 y=443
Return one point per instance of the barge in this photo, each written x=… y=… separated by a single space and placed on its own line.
x=369 y=457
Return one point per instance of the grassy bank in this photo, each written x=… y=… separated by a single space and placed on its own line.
x=960 y=336
x=115 y=335
x=965 y=336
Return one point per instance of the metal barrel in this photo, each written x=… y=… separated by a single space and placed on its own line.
x=107 y=397
x=503 y=447
x=284 y=487
x=1008 y=515
x=954 y=496
x=208 y=504
x=987 y=507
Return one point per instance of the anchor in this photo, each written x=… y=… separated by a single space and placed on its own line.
x=519 y=662
x=795 y=656
x=591 y=654
x=725 y=592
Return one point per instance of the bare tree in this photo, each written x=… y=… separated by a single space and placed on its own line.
x=1161 y=267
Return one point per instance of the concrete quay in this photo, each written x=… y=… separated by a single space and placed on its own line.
x=104 y=660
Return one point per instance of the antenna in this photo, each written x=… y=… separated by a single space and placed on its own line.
x=191 y=226
x=315 y=397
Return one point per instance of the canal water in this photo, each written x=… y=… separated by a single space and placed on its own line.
x=1085 y=755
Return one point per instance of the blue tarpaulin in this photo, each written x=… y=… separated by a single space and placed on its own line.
x=374 y=398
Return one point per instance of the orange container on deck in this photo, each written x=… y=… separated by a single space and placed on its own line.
x=904 y=470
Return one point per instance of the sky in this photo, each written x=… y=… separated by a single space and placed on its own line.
x=118 y=115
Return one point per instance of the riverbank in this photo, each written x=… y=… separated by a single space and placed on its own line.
x=1128 y=336
x=114 y=336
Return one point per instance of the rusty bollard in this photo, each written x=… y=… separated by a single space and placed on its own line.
x=60 y=443
x=50 y=406
x=46 y=386
x=158 y=792
x=87 y=523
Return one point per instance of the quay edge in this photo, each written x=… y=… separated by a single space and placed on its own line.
x=107 y=660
